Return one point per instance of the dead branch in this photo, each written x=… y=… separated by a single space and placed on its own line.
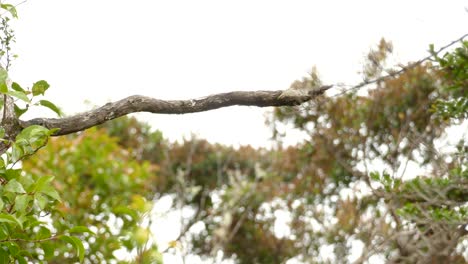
x=138 y=103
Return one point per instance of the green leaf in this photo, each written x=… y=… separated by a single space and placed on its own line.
x=3 y=87
x=35 y=131
x=80 y=229
x=2 y=204
x=22 y=254
x=2 y=132
x=77 y=245
x=52 y=131
x=14 y=186
x=32 y=131
x=11 y=174
x=43 y=233
x=4 y=256
x=3 y=75
x=21 y=260
x=49 y=250
x=19 y=95
x=31 y=221
x=41 y=183
x=6 y=218
x=11 y=9
x=15 y=86
x=29 y=140
x=51 y=106
x=3 y=79
x=125 y=211
x=4 y=233
x=13 y=248
x=21 y=202
x=20 y=111
x=40 y=87
x=51 y=192
x=375 y=176
x=41 y=200
x=27 y=181
x=17 y=152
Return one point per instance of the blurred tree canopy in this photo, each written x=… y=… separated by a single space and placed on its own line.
x=102 y=187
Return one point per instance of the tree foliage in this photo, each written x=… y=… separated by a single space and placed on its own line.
x=102 y=187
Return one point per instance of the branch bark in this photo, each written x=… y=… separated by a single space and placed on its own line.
x=9 y=121
x=138 y=103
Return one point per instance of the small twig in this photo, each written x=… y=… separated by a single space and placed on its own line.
x=402 y=70
x=189 y=225
x=54 y=237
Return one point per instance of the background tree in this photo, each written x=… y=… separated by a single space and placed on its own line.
x=390 y=127
x=103 y=188
x=326 y=183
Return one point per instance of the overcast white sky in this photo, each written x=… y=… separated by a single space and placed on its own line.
x=109 y=49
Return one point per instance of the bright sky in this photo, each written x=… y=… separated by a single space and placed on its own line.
x=100 y=51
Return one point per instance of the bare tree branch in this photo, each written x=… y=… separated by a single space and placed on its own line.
x=403 y=69
x=138 y=103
